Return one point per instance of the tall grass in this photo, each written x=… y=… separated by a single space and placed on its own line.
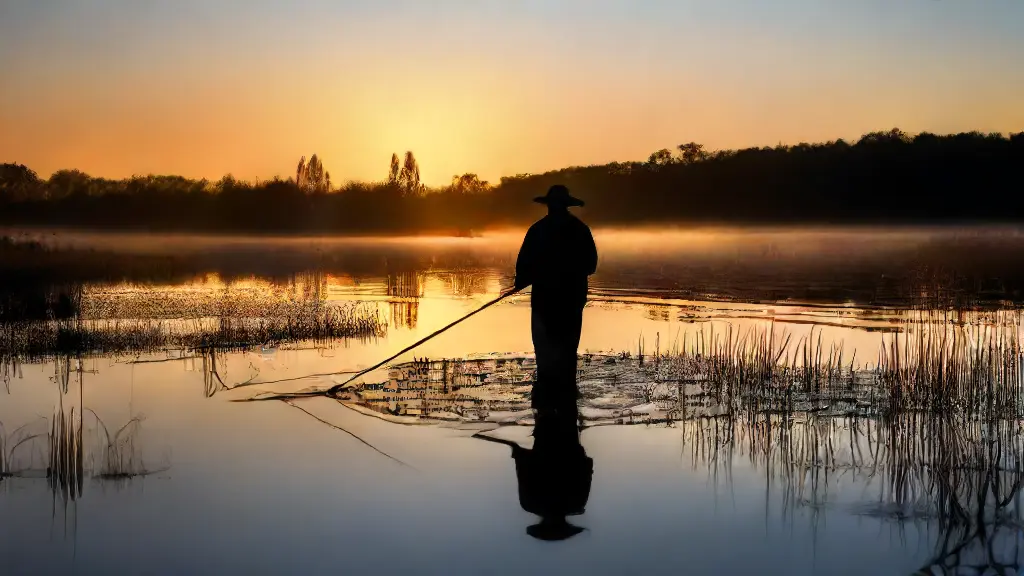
x=957 y=479
x=121 y=456
x=944 y=362
x=116 y=456
x=40 y=340
x=65 y=470
x=966 y=364
x=760 y=369
x=947 y=361
x=11 y=443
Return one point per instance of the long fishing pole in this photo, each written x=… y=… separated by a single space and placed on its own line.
x=338 y=387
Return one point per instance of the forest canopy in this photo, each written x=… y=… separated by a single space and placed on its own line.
x=884 y=177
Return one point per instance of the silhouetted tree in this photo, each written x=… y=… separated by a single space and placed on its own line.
x=692 y=153
x=469 y=184
x=396 y=166
x=63 y=183
x=409 y=178
x=311 y=176
x=886 y=176
x=300 y=173
x=662 y=157
x=18 y=183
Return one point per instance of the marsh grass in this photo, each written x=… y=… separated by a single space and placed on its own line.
x=120 y=451
x=115 y=456
x=957 y=363
x=759 y=369
x=951 y=362
x=956 y=480
x=65 y=469
x=41 y=340
x=943 y=362
x=11 y=445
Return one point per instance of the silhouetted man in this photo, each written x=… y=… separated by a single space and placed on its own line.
x=557 y=256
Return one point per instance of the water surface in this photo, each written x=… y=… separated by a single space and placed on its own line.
x=198 y=483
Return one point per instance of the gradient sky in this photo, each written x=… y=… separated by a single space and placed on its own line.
x=498 y=87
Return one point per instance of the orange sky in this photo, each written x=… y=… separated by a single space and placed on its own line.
x=117 y=88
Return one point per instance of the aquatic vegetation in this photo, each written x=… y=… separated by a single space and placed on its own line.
x=11 y=443
x=954 y=363
x=121 y=456
x=65 y=469
x=73 y=455
x=321 y=325
x=958 y=480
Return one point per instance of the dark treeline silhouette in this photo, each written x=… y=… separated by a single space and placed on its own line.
x=883 y=177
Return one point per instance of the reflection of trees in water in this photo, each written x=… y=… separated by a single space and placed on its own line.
x=407 y=284
x=956 y=480
x=405 y=313
x=313 y=284
x=404 y=290
x=464 y=282
x=39 y=322
x=24 y=304
x=658 y=313
x=967 y=268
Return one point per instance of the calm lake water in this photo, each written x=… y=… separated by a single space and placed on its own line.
x=138 y=459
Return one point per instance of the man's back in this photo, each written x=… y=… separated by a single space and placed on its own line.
x=558 y=254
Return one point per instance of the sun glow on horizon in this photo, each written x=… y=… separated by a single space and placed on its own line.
x=494 y=89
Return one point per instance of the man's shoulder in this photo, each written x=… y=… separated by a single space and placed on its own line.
x=571 y=222
x=537 y=226
x=579 y=224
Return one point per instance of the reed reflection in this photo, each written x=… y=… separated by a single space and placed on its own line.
x=956 y=480
x=74 y=444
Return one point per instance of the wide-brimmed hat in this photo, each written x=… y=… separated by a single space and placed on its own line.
x=558 y=195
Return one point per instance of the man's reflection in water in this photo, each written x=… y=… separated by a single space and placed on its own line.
x=554 y=476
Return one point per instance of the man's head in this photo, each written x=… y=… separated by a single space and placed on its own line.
x=558 y=199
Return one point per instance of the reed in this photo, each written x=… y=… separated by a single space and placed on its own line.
x=41 y=340
x=73 y=457
x=966 y=364
x=960 y=476
x=753 y=371
x=65 y=470
x=11 y=443
x=955 y=362
x=943 y=362
x=121 y=456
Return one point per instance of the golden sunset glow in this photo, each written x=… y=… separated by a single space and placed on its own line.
x=202 y=90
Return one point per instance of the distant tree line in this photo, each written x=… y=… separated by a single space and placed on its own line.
x=883 y=177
